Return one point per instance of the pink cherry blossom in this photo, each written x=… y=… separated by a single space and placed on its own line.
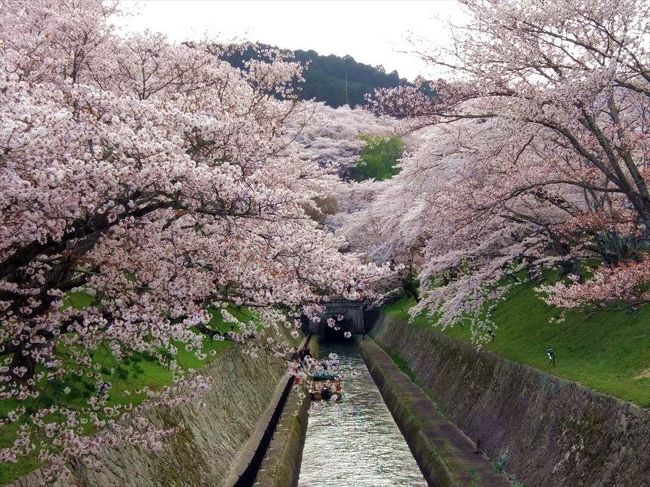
x=161 y=182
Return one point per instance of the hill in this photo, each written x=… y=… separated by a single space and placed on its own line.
x=341 y=81
x=608 y=351
x=334 y=80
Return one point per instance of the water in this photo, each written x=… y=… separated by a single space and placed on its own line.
x=355 y=441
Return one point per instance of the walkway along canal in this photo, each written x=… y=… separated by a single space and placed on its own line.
x=355 y=441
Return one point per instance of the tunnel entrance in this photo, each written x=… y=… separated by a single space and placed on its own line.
x=332 y=335
x=347 y=315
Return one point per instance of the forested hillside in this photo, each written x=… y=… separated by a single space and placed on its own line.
x=334 y=80
x=342 y=80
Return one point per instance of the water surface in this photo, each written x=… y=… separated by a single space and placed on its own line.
x=355 y=442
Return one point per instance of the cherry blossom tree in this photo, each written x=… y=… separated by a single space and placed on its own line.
x=334 y=135
x=157 y=179
x=334 y=139
x=542 y=150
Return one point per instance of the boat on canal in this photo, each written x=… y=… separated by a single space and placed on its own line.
x=325 y=390
x=324 y=375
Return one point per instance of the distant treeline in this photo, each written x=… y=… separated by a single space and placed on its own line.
x=331 y=79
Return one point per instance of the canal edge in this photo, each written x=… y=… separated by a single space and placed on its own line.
x=445 y=455
x=253 y=467
x=283 y=459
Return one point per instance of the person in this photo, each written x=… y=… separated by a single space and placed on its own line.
x=306 y=359
x=551 y=356
x=325 y=393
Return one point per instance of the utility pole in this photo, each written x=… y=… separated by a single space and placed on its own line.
x=347 y=100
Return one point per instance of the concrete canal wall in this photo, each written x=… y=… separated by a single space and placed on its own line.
x=281 y=465
x=542 y=429
x=213 y=441
x=446 y=457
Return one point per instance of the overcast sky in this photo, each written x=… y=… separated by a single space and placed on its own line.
x=373 y=32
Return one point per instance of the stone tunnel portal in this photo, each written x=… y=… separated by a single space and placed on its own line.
x=351 y=314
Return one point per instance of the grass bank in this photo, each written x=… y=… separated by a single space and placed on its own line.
x=608 y=351
x=129 y=374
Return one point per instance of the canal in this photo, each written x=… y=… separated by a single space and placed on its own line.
x=355 y=442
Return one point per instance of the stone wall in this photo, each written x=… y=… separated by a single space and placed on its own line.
x=544 y=430
x=281 y=465
x=211 y=440
x=446 y=457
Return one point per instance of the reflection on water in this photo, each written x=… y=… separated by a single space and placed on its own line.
x=355 y=442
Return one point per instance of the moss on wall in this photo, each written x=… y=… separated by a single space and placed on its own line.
x=543 y=429
x=444 y=454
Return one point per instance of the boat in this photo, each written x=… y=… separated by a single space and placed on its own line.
x=324 y=375
x=325 y=390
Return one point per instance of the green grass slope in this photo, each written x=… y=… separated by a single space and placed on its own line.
x=132 y=373
x=608 y=351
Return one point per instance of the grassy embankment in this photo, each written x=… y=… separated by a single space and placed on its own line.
x=378 y=158
x=608 y=351
x=129 y=374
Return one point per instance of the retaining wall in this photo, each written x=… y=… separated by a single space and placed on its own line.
x=212 y=440
x=544 y=430
x=281 y=465
x=446 y=457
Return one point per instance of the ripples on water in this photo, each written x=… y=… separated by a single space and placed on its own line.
x=355 y=442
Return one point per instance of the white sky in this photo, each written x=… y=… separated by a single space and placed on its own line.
x=373 y=32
